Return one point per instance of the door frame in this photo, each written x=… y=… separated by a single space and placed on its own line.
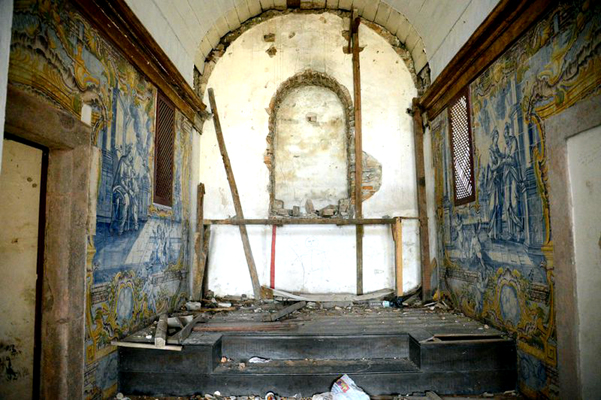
x=65 y=232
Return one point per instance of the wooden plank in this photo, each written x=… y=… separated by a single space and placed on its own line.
x=236 y=198
x=421 y=201
x=243 y=327
x=330 y=296
x=118 y=23
x=304 y=221
x=199 y=270
x=358 y=150
x=183 y=334
x=397 y=235
x=506 y=23
x=282 y=313
x=160 y=335
x=136 y=345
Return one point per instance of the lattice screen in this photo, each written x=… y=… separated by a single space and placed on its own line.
x=163 y=162
x=461 y=148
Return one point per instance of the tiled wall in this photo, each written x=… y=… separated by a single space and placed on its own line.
x=497 y=252
x=137 y=251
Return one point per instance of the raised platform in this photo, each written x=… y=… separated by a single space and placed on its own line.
x=386 y=351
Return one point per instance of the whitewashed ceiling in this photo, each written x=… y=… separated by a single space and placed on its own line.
x=433 y=30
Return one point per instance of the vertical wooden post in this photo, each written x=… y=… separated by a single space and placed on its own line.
x=397 y=235
x=198 y=272
x=236 y=198
x=358 y=147
x=421 y=200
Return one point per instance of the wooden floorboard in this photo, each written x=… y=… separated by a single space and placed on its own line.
x=358 y=319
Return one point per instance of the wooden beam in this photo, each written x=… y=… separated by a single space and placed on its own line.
x=397 y=235
x=304 y=221
x=236 y=198
x=137 y=345
x=118 y=23
x=503 y=26
x=358 y=150
x=183 y=334
x=422 y=212
x=198 y=272
x=350 y=30
x=160 y=336
x=283 y=312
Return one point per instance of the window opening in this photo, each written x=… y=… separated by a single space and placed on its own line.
x=164 y=142
x=462 y=148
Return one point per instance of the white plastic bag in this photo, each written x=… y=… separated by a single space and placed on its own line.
x=345 y=389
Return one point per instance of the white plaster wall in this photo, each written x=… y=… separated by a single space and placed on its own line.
x=311 y=156
x=584 y=161
x=19 y=213
x=308 y=258
x=6 y=22
x=159 y=17
x=441 y=52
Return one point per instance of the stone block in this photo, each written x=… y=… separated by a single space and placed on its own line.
x=309 y=208
x=328 y=211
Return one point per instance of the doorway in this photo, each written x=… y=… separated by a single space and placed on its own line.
x=22 y=205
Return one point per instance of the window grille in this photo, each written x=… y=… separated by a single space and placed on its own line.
x=462 y=148
x=163 y=143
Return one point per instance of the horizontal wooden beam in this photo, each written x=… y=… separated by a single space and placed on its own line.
x=117 y=22
x=304 y=221
x=503 y=26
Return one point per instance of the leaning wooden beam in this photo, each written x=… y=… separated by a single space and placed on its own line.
x=283 y=312
x=236 y=198
x=198 y=271
x=304 y=221
x=421 y=201
x=358 y=148
x=397 y=235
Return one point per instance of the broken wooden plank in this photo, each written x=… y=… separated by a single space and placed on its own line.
x=236 y=198
x=136 y=345
x=183 y=334
x=397 y=235
x=421 y=201
x=243 y=327
x=285 y=311
x=329 y=296
x=160 y=335
x=358 y=150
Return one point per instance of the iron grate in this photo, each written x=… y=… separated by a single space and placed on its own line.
x=164 y=148
x=461 y=148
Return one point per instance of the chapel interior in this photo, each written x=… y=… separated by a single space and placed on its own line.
x=283 y=197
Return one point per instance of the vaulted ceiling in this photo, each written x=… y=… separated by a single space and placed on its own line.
x=432 y=30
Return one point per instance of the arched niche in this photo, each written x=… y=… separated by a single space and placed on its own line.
x=311 y=125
